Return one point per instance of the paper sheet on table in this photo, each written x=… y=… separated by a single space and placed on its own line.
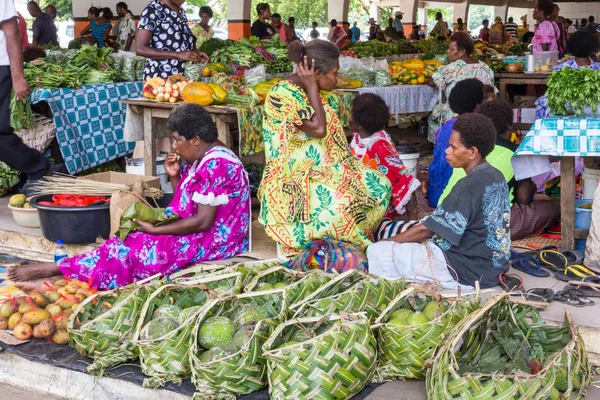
x=527 y=166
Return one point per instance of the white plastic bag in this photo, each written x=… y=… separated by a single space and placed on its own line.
x=255 y=75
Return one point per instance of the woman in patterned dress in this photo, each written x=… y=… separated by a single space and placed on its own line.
x=165 y=39
x=312 y=186
x=211 y=202
x=203 y=31
x=462 y=66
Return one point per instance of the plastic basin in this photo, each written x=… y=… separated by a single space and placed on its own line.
x=583 y=216
x=73 y=224
x=26 y=217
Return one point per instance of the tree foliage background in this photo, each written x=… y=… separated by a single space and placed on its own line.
x=64 y=8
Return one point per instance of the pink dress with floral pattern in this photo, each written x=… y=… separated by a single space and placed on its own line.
x=219 y=180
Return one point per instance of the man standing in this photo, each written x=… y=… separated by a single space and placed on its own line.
x=511 y=27
x=592 y=25
x=440 y=30
x=398 y=23
x=314 y=34
x=584 y=25
x=125 y=28
x=12 y=150
x=44 y=30
x=355 y=33
x=292 y=25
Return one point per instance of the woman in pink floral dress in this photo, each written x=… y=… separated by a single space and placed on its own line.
x=211 y=201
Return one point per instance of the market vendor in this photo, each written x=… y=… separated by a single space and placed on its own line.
x=260 y=28
x=467 y=237
x=312 y=186
x=284 y=31
x=462 y=66
x=165 y=39
x=203 y=31
x=547 y=34
x=211 y=200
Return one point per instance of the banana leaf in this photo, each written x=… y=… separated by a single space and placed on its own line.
x=142 y=212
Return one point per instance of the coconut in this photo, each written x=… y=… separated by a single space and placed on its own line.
x=158 y=328
x=167 y=311
x=216 y=331
x=218 y=353
x=433 y=309
x=280 y=285
x=418 y=318
x=246 y=314
x=402 y=315
x=264 y=286
x=243 y=336
x=187 y=313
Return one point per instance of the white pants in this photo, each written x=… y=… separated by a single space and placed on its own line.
x=412 y=261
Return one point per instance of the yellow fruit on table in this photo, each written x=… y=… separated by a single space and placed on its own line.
x=206 y=72
x=198 y=93
x=17 y=200
x=45 y=329
x=35 y=316
x=414 y=82
x=61 y=283
x=3 y=323
x=40 y=300
x=421 y=79
x=220 y=95
x=61 y=336
x=14 y=320
x=8 y=308
x=23 y=331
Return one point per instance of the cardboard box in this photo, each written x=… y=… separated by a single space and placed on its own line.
x=124 y=179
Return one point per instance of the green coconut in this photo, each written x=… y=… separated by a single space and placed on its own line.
x=433 y=309
x=187 y=313
x=218 y=352
x=216 y=331
x=246 y=314
x=167 y=311
x=418 y=318
x=158 y=328
x=243 y=336
x=280 y=285
x=402 y=315
x=290 y=343
x=264 y=286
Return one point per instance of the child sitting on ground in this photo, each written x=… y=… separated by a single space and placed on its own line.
x=373 y=146
x=464 y=98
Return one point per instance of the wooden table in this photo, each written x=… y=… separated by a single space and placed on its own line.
x=222 y=117
x=519 y=78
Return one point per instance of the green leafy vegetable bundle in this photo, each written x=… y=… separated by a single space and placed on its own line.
x=9 y=178
x=573 y=91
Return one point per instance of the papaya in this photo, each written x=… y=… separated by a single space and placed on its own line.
x=435 y=63
x=263 y=88
x=198 y=93
x=348 y=83
x=220 y=95
x=413 y=63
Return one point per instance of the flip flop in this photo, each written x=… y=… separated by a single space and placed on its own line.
x=576 y=293
x=574 y=273
x=589 y=286
x=552 y=259
x=511 y=282
x=566 y=297
x=527 y=263
x=537 y=294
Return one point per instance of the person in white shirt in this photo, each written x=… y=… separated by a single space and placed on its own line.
x=12 y=149
x=570 y=28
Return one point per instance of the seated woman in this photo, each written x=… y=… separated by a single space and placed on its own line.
x=467 y=237
x=212 y=202
x=312 y=186
x=462 y=66
x=374 y=147
x=464 y=98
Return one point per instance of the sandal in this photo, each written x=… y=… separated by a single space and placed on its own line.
x=589 y=286
x=574 y=273
x=511 y=282
x=552 y=259
x=576 y=293
x=565 y=297
x=543 y=294
x=527 y=263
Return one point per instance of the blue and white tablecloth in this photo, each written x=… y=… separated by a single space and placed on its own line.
x=404 y=99
x=562 y=137
x=89 y=122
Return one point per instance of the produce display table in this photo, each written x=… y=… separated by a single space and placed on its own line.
x=403 y=99
x=566 y=138
x=89 y=122
x=519 y=78
x=149 y=110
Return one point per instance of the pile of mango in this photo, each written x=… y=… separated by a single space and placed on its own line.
x=44 y=314
x=214 y=68
x=413 y=71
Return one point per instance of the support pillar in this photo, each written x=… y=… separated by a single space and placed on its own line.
x=501 y=11
x=239 y=18
x=338 y=10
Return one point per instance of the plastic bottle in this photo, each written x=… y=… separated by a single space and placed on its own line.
x=60 y=251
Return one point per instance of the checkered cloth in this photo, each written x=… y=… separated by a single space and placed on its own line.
x=89 y=122
x=562 y=137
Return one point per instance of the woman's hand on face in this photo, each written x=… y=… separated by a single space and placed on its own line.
x=306 y=73
x=172 y=165
x=145 y=227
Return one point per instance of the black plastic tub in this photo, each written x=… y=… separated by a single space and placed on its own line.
x=73 y=224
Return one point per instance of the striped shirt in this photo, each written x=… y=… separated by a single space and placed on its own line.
x=511 y=28
x=98 y=32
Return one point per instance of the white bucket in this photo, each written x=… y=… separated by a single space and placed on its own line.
x=410 y=159
x=590 y=182
x=135 y=166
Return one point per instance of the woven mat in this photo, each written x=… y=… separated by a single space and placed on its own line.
x=535 y=242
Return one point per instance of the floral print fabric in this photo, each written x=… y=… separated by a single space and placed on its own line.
x=219 y=180
x=378 y=152
x=445 y=78
x=313 y=188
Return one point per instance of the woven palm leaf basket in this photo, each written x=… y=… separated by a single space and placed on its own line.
x=250 y=270
x=321 y=357
x=298 y=285
x=103 y=325
x=166 y=322
x=412 y=326
x=506 y=351
x=371 y=295
x=226 y=343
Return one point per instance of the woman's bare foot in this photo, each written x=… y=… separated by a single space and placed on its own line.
x=37 y=284
x=31 y=272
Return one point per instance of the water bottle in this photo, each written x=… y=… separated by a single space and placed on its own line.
x=60 y=251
